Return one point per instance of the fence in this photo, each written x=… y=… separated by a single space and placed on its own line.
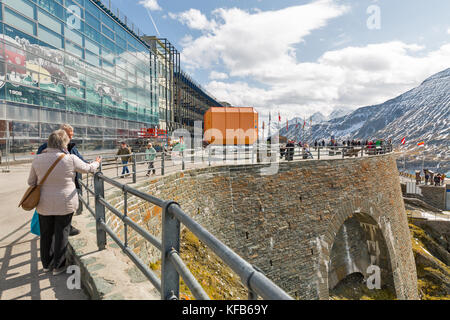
x=172 y=265
x=173 y=216
x=179 y=160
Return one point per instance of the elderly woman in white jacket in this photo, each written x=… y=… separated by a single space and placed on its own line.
x=59 y=198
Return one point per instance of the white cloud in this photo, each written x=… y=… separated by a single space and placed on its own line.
x=245 y=41
x=351 y=77
x=150 y=4
x=259 y=47
x=214 y=75
x=194 y=19
x=448 y=30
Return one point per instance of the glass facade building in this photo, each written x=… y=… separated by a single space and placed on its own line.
x=74 y=61
x=71 y=61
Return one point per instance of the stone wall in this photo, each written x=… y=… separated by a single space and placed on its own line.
x=286 y=224
x=434 y=196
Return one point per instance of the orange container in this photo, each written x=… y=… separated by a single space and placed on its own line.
x=231 y=126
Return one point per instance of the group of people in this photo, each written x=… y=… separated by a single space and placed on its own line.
x=59 y=198
x=125 y=154
x=288 y=151
x=61 y=191
x=350 y=143
x=436 y=179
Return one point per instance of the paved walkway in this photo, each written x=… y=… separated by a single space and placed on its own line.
x=21 y=273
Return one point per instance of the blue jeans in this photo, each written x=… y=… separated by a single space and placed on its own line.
x=125 y=168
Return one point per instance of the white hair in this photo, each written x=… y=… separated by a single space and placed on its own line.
x=58 y=140
x=66 y=127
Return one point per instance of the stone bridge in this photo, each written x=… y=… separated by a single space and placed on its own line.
x=306 y=227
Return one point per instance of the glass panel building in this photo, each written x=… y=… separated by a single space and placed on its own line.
x=74 y=61
x=70 y=61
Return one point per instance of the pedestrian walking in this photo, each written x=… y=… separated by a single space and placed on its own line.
x=418 y=177
x=427 y=176
x=290 y=150
x=125 y=153
x=150 y=155
x=437 y=180
x=58 y=198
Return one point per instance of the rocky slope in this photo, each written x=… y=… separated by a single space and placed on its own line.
x=421 y=114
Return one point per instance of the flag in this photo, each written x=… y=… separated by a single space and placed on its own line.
x=404 y=140
x=263 y=125
x=421 y=143
x=304 y=124
x=279 y=117
x=287 y=125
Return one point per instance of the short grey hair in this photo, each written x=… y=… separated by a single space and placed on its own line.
x=58 y=140
x=66 y=127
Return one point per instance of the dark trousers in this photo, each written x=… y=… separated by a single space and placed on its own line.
x=151 y=167
x=125 y=168
x=54 y=228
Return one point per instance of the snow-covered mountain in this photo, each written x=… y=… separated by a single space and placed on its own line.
x=421 y=114
x=339 y=112
x=318 y=117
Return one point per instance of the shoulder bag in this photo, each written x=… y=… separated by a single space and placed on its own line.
x=31 y=198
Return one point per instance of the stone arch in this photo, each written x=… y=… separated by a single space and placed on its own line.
x=376 y=233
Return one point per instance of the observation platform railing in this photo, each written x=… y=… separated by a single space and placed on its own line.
x=173 y=216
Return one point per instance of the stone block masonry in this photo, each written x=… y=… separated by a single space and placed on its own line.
x=290 y=224
x=434 y=196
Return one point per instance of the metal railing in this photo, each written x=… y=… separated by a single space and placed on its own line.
x=173 y=216
x=172 y=265
x=179 y=160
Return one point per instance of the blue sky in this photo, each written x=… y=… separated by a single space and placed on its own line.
x=302 y=56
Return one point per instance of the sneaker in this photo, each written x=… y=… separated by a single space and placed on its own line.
x=50 y=268
x=59 y=271
x=73 y=231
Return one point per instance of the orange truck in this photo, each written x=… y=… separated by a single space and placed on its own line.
x=231 y=126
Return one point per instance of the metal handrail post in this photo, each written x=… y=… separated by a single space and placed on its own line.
x=170 y=279
x=162 y=162
x=125 y=213
x=209 y=156
x=87 y=184
x=134 y=167
x=318 y=155
x=99 y=187
x=183 y=165
x=252 y=295
x=253 y=154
